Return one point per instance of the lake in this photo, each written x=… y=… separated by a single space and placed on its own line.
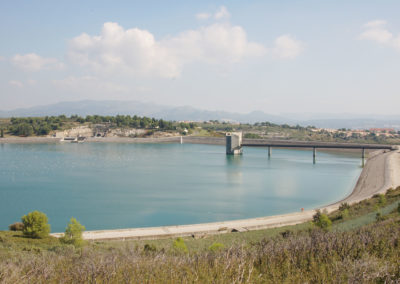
x=122 y=185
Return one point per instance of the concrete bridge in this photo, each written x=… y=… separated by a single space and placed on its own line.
x=237 y=136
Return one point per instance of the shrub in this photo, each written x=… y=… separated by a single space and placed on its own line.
x=398 y=208
x=17 y=226
x=73 y=233
x=379 y=217
x=322 y=220
x=35 y=225
x=344 y=206
x=316 y=216
x=180 y=246
x=252 y=136
x=216 y=247
x=287 y=233
x=382 y=200
x=149 y=248
x=345 y=214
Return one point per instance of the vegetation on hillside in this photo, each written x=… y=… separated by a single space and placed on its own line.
x=73 y=233
x=35 y=225
x=357 y=248
x=38 y=126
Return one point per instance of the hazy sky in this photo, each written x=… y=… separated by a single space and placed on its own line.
x=274 y=56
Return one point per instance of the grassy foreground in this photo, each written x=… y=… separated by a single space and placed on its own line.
x=359 y=247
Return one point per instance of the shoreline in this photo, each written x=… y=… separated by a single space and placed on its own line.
x=205 y=140
x=381 y=172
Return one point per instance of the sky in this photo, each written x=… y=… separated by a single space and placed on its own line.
x=275 y=56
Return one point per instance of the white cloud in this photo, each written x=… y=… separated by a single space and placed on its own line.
x=287 y=47
x=375 y=24
x=377 y=31
x=216 y=43
x=16 y=83
x=203 y=16
x=34 y=62
x=222 y=13
x=137 y=51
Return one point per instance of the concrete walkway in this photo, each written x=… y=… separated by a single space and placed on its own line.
x=381 y=172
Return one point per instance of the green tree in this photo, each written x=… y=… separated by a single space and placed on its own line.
x=2 y=133
x=44 y=130
x=322 y=220
x=73 y=233
x=24 y=129
x=35 y=225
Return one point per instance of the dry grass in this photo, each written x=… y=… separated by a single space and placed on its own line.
x=368 y=254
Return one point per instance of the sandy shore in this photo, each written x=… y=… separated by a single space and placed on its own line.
x=28 y=140
x=381 y=172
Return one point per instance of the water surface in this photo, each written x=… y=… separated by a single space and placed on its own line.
x=113 y=185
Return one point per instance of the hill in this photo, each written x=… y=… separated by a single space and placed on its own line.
x=180 y=113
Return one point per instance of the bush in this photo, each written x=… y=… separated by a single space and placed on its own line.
x=382 y=200
x=286 y=234
x=344 y=206
x=35 y=225
x=17 y=226
x=73 y=233
x=379 y=217
x=345 y=214
x=252 y=136
x=149 y=248
x=216 y=247
x=322 y=220
x=180 y=246
x=398 y=208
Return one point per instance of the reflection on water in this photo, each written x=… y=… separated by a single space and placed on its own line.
x=108 y=186
x=233 y=169
x=233 y=160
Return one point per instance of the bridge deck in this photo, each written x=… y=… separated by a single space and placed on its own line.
x=324 y=145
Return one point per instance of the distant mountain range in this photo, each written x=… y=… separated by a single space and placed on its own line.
x=90 y=107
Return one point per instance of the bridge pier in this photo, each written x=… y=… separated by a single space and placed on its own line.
x=314 y=155
x=363 y=157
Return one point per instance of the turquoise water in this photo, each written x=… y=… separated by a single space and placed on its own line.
x=110 y=185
